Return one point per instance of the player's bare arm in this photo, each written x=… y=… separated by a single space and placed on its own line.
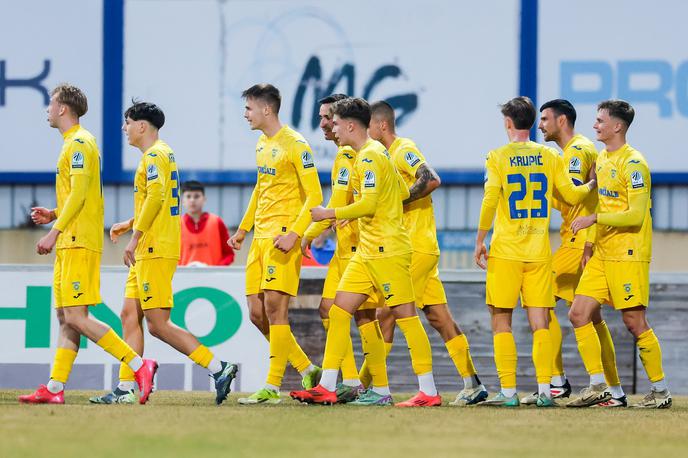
x=120 y=228
x=130 y=250
x=480 y=254
x=237 y=239
x=427 y=180
x=42 y=215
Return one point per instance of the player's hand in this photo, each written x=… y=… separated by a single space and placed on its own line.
x=42 y=215
x=341 y=223
x=236 y=240
x=118 y=229
x=305 y=244
x=320 y=213
x=587 y=254
x=46 y=244
x=130 y=251
x=480 y=255
x=285 y=243
x=583 y=222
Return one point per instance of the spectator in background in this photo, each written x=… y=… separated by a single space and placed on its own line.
x=204 y=234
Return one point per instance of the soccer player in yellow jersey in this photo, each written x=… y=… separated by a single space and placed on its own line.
x=520 y=179
x=419 y=219
x=619 y=271
x=347 y=241
x=77 y=236
x=152 y=255
x=287 y=186
x=557 y=123
x=380 y=266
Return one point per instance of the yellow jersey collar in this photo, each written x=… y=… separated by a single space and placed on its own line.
x=71 y=131
x=573 y=139
x=622 y=148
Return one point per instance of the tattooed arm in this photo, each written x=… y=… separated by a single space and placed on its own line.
x=427 y=181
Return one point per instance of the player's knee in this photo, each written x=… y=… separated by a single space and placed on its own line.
x=75 y=322
x=635 y=325
x=577 y=316
x=129 y=318
x=156 y=328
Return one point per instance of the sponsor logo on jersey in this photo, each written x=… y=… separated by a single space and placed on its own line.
x=307 y=160
x=637 y=179
x=411 y=158
x=369 y=181
x=343 y=176
x=634 y=161
x=348 y=156
x=577 y=147
x=370 y=161
x=78 y=140
x=78 y=160
x=608 y=193
x=575 y=165
x=267 y=170
x=152 y=172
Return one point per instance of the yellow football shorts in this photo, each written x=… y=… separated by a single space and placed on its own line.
x=566 y=270
x=150 y=281
x=76 y=277
x=389 y=277
x=269 y=268
x=334 y=275
x=425 y=273
x=622 y=284
x=507 y=280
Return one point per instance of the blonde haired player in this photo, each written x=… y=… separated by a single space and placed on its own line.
x=77 y=236
x=619 y=270
x=519 y=182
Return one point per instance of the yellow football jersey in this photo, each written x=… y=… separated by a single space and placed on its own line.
x=342 y=195
x=620 y=174
x=382 y=234
x=157 y=204
x=80 y=156
x=524 y=175
x=579 y=156
x=419 y=216
x=286 y=172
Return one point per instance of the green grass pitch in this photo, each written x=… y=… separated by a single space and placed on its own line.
x=189 y=425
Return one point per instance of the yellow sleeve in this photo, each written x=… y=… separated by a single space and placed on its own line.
x=339 y=198
x=638 y=198
x=403 y=189
x=250 y=214
x=571 y=193
x=493 y=186
x=365 y=206
x=302 y=159
x=75 y=201
x=155 y=192
x=591 y=234
x=409 y=161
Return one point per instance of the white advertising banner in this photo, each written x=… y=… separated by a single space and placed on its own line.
x=590 y=51
x=209 y=302
x=44 y=43
x=444 y=65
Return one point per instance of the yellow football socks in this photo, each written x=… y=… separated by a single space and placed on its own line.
x=460 y=353
x=338 y=337
x=418 y=343
x=555 y=333
x=349 y=370
x=201 y=356
x=297 y=358
x=542 y=355
x=364 y=374
x=113 y=344
x=374 y=349
x=62 y=364
x=589 y=348
x=125 y=373
x=506 y=359
x=651 y=355
x=611 y=374
x=280 y=346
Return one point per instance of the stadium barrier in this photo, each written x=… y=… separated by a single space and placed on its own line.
x=210 y=303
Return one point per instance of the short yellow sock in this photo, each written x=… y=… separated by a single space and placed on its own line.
x=589 y=348
x=555 y=333
x=297 y=357
x=126 y=374
x=542 y=355
x=364 y=374
x=374 y=349
x=651 y=355
x=349 y=370
x=62 y=364
x=338 y=337
x=419 y=344
x=460 y=353
x=280 y=345
x=113 y=344
x=201 y=356
x=506 y=358
x=611 y=373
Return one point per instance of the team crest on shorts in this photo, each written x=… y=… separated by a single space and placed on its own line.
x=76 y=285
x=146 y=287
x=386 y=287
x=271 y=270
x=627 y=287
